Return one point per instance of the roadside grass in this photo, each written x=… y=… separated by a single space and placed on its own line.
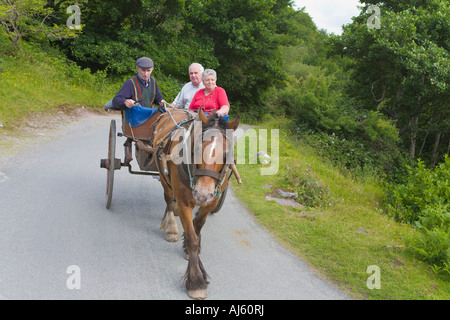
x=40 y=91
x=33 y=82
x=346 y=233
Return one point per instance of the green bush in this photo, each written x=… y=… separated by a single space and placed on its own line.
x=423 y=188
x=311 y=191
x=359 y=155
x=423 y=200
x=432 y=242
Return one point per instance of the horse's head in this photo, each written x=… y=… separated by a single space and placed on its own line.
x=216 y=156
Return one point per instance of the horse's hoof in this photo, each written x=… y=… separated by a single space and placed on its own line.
x=170 y=237
x=197 y=294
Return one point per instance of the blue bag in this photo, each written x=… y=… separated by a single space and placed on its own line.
x=138 y=115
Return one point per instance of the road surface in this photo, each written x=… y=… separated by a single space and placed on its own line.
x=58 y=241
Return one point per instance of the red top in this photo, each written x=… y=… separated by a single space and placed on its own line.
x=211 y=102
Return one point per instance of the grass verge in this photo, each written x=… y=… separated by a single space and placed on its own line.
x=345 y=232
x=35 y=82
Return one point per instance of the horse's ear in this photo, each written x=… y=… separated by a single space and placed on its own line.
x=202 y=116
x=235 y=123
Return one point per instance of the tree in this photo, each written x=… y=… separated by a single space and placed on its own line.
x=403 y=69
x=243 y=34
x=20 y=18
x=118 y=32
x=237 y=38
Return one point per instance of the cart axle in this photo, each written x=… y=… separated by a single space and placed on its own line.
x=104 y=163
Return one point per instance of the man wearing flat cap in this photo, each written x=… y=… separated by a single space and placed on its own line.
x=141 y=88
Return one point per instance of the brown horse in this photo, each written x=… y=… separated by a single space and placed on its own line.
x=197 y=180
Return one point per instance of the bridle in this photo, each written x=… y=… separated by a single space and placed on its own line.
x=219 y=176
x=187 y=170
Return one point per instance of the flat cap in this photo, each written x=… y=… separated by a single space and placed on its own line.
x=144 y=62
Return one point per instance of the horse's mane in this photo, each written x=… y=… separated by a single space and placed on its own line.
x=212 y=117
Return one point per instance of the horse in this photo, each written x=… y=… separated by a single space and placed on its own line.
x=188 y=184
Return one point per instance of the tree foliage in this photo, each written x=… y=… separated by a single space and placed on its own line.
x=237 y=38
x=20 y=18
x=243 y=35
x=403 y=70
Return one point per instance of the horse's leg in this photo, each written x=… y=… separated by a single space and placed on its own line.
x=200 y=217
x=199 y=221
x=195 y=278
x=169 y=224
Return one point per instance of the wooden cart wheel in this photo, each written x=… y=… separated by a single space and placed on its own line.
x=111 y=165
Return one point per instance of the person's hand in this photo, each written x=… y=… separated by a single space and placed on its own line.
x=130 y=103
x=162 y=103
x=223 y=111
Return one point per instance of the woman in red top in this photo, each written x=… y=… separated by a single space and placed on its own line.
x=212 y=98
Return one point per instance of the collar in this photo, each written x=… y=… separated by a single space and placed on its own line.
x=142 y=81
x=200 y=85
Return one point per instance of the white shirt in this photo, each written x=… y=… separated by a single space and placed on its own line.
x=184 y=98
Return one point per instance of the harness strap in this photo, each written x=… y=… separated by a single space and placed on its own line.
x=163 y=147
x=157 y=155
x=210 y=173
x=184 y=176
x=187 y=172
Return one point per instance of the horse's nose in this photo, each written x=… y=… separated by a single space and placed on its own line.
x=202 y=198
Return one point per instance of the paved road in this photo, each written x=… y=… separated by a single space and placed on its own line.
x=53 y=216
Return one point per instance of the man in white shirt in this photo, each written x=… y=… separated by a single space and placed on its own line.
x=184 y=98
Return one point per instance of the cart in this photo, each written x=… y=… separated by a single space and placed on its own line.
x=146 y=155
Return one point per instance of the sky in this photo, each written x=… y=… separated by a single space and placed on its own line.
x=330 y=14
